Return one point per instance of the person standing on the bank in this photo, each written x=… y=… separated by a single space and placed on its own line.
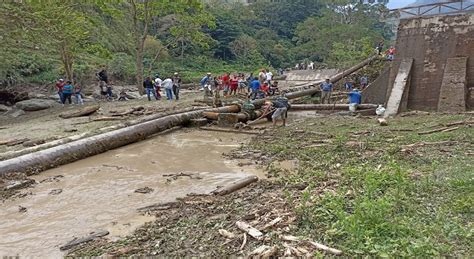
x=168 y=85
x=326 y=91
x=364 y=82
x=78 y=95
x=158 y=86
x=176 y=85
x=59 y=87
x=67 y=92
x=150 y=88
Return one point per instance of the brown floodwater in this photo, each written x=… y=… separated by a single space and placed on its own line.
x=97 y=193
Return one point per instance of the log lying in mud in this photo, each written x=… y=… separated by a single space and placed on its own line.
x=78 y=241
x=88 y=110
x=298 y=107
x=73 y=151
x=235 y=186
x=12 y=154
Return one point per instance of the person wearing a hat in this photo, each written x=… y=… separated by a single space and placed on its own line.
x=176 y=85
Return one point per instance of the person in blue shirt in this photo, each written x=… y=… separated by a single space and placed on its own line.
x=205 y=80
x=326 y=91
x=355 y=97
x=67 y=92
x=254 y=87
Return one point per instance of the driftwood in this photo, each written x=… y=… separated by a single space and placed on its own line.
x=457 y=123
x=272 y=223
x=253 y=232
x=443 y=129
x=325 y=248
x=78 y=241
x=106 y=118
x=226 y=234
x=88 y=110
x=422 y=144
x=235 y=186
x=229 y=130
x=244 y=242
x=13 y=142
x=159 y=206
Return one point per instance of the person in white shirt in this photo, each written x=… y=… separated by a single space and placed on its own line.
x=168 y=85
x=158 y=82
x=269 y=76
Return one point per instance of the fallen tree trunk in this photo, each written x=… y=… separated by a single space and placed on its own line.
x=12 y=154
x=298 y=107
x=70 y=152
x=235 y=186
x=88 y=110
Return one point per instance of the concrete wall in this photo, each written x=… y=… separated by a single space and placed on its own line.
x=430 y=41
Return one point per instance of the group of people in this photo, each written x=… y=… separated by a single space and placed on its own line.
x=66 y=90
x=389 y=53
x=305 y=66
x=256 y=87
x=171 y=86
x=353 y=93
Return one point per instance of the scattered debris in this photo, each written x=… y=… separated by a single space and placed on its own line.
x=413 y=113
x=22 y=209
x=20 y=184
x=77 y=241
x=410 y=147
x=325 y=248
x=159 y=206
x=174 y=177
x=144 y=190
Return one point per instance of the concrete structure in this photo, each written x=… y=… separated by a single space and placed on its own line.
x=431 y=42
x=397 y=100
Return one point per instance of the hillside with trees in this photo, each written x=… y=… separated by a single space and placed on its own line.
x=73 y=39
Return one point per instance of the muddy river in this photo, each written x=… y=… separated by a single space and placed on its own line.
x=98 y=193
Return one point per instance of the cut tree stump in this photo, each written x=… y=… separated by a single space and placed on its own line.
x=88 y=110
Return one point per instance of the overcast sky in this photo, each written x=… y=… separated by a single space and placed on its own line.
x=399 y=3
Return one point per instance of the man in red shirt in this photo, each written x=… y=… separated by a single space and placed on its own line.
x=234 y=84
x=59 y=86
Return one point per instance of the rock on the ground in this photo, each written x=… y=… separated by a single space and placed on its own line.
x=34 y=104
x=4 y=108
x=14 y=113
x=37 y=96
x=133 y=95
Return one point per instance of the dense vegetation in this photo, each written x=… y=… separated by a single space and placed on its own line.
x=134 y=38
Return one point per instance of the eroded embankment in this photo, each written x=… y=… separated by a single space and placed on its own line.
x=98 y=193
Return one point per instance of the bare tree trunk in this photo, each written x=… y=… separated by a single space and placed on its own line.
x=67 y=61
x=140 y=37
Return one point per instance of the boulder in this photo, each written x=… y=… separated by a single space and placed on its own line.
x=4 y=108
x=34 y=104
